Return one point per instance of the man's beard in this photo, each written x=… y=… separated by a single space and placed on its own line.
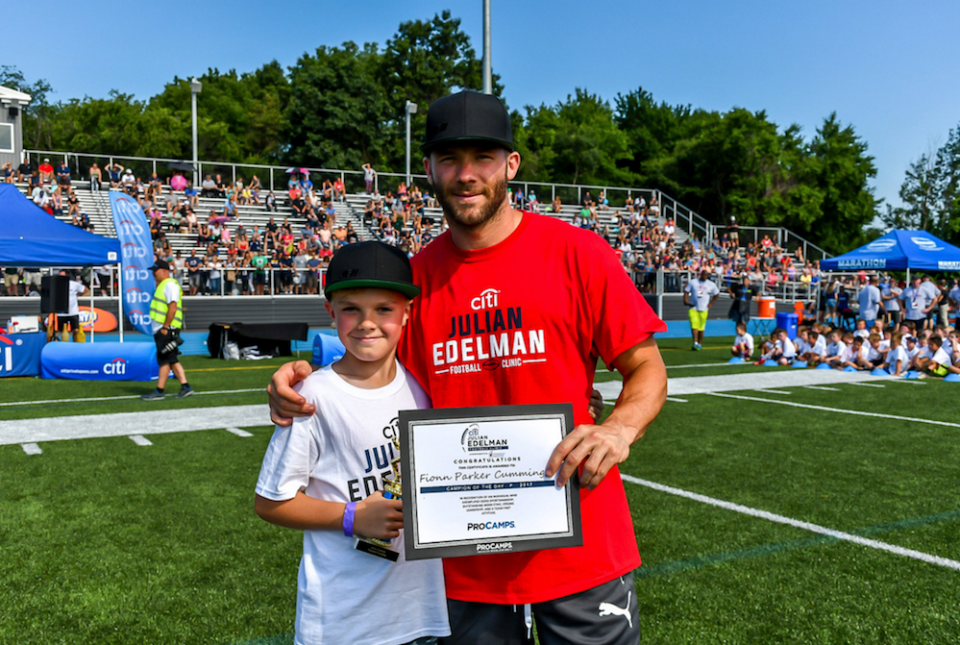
x=473 y=216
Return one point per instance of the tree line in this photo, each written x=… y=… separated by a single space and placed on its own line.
x=341 y=107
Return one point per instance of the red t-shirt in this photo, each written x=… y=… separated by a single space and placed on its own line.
x=524 y=322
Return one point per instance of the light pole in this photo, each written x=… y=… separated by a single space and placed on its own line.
x=409 y=108
x=195 y=88
x=487 y=69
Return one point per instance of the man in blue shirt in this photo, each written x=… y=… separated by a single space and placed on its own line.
x=871 y=303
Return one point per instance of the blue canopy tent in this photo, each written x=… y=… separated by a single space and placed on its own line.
x=31 y=238
x=899 y=250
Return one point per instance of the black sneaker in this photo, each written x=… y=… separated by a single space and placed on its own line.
x=184 y=392
x=153 y=396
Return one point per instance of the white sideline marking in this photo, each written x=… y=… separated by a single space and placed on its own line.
x=31 y=449
x=115 y=398
x=681 y=367
x=239 y=432
x=772 y=391
x=140 y=440
x=807 y=526
x=150 y=421
x=866 y=384
x=826 y=409
x=907 y=381
x=821 y=387
x=676 y=400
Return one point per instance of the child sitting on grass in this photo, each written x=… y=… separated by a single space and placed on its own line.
x=853 y=355
x=816 y=349
x=743 y=343
x=784 y=351
x=836 y=348
x=896 y=362
x=941 y=363
x=316 y=475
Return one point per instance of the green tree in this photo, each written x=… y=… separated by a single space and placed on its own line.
x=38 y=116
x=337 y=109
x=842 y=172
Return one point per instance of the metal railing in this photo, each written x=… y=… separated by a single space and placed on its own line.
x=685 y=218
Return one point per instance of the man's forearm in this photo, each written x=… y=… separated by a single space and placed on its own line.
x=643 y=395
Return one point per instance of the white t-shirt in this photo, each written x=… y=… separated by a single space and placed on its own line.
x=913 y=303
x=802 y=346
x=341 y=454
x=893 y=304
x=75 y=290
x=862 y=333
x=171 y=293
x=850 y=353
x=745 y=339
x=942 y=357
x=819 y=347
x=836 y=349
x=788 y=347
x=701 y=293
x=872 y=354
x=913 y=352
x=869 y=302
x=898 y=354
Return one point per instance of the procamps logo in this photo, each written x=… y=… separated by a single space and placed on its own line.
x=489 y=526
x=495 y=547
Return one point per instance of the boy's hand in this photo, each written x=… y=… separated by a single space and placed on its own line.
x=377 y=517
x=285 y=403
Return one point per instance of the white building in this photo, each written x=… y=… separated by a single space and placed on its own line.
x=12 y=103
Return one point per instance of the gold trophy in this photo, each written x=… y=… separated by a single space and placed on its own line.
x=391 y=490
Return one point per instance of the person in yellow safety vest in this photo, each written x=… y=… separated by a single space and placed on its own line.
x=166 y=316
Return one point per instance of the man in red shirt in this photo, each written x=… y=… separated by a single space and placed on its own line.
x=516 y=308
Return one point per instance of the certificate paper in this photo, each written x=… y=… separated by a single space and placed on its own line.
x=473 y=481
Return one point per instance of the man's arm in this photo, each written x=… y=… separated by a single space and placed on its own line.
x=600 y=447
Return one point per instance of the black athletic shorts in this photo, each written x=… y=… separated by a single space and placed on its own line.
x=164 y=356
x=607 y=614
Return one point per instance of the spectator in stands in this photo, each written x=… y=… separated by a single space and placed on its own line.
x=9 y=175
x=369 y=176
x=219 y=187
x=39 y=196
x=113 y=172
x=63 y=174
x=339 y=190
x=96 y=177
x=255 y=188
x=25 y=170
x=743 y=343
x=46 y=172
x=129 y=182
x=56 y=205
x=11 y=281
x=193 y=264
x=602 y=202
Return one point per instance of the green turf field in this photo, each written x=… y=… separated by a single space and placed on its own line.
x=105 y=541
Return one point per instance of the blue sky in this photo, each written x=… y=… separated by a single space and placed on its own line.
x=887 y=68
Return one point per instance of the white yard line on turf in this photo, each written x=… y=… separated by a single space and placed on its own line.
x=773 y=391
x=866 y=384
x=821 y=387
x=31 y=449
x=807 y=526
x=122 y=424
x=140 y=440
x=239 y=432
x=681 y=367
x=125 y=396
x=838 y=410
x=676 y=400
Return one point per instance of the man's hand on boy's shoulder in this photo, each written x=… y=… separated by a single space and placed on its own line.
x=285 y=402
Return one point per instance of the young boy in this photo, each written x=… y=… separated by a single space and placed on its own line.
x=835 y=349
x=853 y=355
x=897 y=360
x=743 y=343
x=861 y=329
x=325 y=473
x=941 y=363
x=875 y=354
x=816 y=349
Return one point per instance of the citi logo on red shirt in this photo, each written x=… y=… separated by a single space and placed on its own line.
x=488 y=299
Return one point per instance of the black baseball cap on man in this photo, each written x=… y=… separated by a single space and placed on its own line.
x=467 y=116
x=160 y=264
x=370 y=265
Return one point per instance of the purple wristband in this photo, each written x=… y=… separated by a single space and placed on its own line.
x=348 y=513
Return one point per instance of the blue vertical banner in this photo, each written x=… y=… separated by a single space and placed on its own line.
x=136 y=259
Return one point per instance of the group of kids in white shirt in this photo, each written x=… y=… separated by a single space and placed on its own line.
x=933 y=352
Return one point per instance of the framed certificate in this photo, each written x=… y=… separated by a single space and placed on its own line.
x=473 y=481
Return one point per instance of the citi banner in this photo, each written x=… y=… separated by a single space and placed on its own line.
x=136 y=259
